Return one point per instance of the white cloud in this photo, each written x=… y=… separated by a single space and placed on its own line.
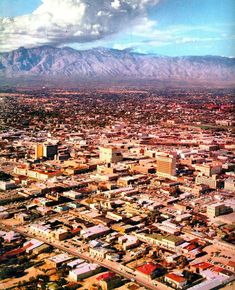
x=116 y=4
x=57 y=22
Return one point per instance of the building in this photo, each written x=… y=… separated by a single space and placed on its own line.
x=108 y=280
x=45 y=150
x=83 y=271
x=49 y=150
x=229 y=184
x=217 y=209
x=32 y=244
x=37 y=173
x=58 y=260
x=128 y=242
x=60 y=234
x=6 y=185
x=110 y=155
x=211 y=181
x=170 y=242
x=150 y=270
x=98 y=252
x=209 y=169
x=166 y=165
x=176 y=281
x=38 y=151
x=94 y=232
x=231 y=266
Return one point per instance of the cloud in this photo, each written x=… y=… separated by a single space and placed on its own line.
x=57 y=22
x=147 y=37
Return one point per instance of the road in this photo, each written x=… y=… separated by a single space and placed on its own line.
x=113 y=266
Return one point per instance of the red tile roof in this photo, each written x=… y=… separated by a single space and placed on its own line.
x=75 y=231
x=106 y=276
x=231 y=264
x=217 y=269
x=148 y=268
x=190 y=247
x=203 y=265
x=176 y=278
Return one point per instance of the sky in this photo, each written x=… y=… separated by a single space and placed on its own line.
x=166 y=27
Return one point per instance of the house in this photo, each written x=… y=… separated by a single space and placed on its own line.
x=128 y=242
x=202 y=266
x=11 y=237
x=175 y=280
x=150 y=270
x=83 y=271
x=108 y=280
x=94 y=232
x=21 y=217
x=231 y=266
x=6 y=185
x=74 y=263
x=32 y=244
x=99 y=252
x=58 y=260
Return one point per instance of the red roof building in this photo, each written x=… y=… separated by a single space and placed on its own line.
x=148 y=268
x=106 y=276
x=175 y=280
x=202 y=265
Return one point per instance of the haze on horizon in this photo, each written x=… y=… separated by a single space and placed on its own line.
x=168 y=27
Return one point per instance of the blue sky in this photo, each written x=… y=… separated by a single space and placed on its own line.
x=168 y=27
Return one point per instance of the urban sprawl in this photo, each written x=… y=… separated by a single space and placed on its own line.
x=117 y=189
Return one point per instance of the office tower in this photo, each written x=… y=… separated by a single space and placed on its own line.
x=49 y=150
x=38 y=151
x=110 y=154
x=166 y=165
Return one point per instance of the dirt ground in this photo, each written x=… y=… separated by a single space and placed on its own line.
x=30 y=272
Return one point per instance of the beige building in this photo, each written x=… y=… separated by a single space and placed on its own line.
x=110 y=154
x=217 y=209
x=210 y=181
x=209 y=169
x=176 y=281
x=229 y=184
x=36 y=173
x=166 y=165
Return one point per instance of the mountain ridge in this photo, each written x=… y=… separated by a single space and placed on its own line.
x=105 y=63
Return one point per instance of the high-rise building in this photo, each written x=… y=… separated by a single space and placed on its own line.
x=110 y=154
x=45 y=150
x=38 y=151
x=49 y=150
x=166 y=165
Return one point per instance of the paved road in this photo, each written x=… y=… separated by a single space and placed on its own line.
x=113 y=266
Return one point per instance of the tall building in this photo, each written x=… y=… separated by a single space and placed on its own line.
x=49 y=150
x=110 y=154
x=45 y=150
x=38 y=151
x=166 y=165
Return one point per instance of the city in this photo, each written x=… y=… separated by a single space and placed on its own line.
x=117 y=189
x=117 y=145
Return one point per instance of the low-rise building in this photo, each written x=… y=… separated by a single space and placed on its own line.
x=83 y=271
x=176 y=281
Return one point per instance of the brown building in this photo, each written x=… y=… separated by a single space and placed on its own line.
x=166 y=165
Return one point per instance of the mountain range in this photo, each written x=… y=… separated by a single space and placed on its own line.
x=103 y=63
